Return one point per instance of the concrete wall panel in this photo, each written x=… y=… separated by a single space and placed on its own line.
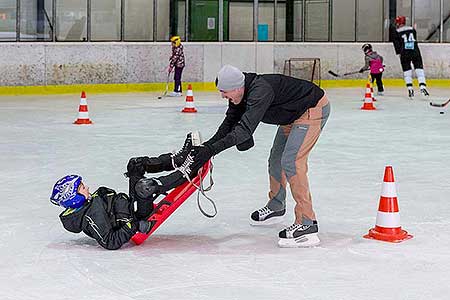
x=212 y=62
x=241 y=55
x=22 y=64
x=79 y=63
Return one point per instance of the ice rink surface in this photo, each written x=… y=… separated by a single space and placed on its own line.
x=192 y=257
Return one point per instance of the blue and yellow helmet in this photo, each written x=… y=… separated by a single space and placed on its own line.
x=65 y=192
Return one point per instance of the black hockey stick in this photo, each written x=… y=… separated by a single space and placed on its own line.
x=345 y=74
x=334 y=74
x=440 y=104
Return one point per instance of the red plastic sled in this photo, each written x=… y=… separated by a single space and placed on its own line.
x=170 y=203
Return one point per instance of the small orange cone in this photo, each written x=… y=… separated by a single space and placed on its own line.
x=387 y=227
x=83 y=114
x=189 y=105
x=368 y=103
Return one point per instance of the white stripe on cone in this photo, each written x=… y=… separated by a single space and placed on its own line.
x=388 y=220
x=83 y=115
x=389 y=190
x=190 y=93
x=189 y=104
x=83 y=101
x=368 y=100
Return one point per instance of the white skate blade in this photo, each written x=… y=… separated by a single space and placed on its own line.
x=196 y=138
x=308 y=240
x=271 y=221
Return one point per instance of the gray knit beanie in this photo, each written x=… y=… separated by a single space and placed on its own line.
x=230 y=78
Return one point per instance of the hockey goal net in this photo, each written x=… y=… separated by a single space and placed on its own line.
x=303 y=68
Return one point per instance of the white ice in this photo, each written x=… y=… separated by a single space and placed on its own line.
x=192 y=257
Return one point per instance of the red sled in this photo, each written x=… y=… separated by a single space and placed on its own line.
x=164 y=208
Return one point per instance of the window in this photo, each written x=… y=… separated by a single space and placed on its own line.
x=316 y=20
x=8 y=11
x=427 y=16
x=265 y=21
x=138 y=20
x=241 y=21
x=446 y=32
x=369 y=20
x=71 y=20
x=343 y=28
x=36 y=20
x=105 y=20
x=281 y=21
x=163 y=17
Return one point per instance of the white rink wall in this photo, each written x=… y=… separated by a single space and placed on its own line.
x=29 y=64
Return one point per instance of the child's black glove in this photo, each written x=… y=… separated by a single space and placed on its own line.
x=145 y=226
x=361 y=70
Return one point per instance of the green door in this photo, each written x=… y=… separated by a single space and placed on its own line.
x=204 y=20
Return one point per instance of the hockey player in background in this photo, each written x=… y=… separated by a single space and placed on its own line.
x=176 y=63
x=301 y=109
x=374 y=63
x=405 y=44
x=113 y=218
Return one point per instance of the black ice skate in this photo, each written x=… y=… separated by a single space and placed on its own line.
x=411 y=93
x=299 y=235
x=179 y=157
x=266 y=216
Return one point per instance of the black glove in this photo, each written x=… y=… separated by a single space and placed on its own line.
x=201 y=155
x=144 y=226
x=246 y=145
x=361 y=70
x=136 y=166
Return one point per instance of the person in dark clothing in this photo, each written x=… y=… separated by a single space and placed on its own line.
x=300 y=109
x=406 y=46
x=374 y=63
x=113 y=218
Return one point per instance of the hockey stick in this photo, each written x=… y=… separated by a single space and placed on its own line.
x=334 y=74
x=345 y=74
x=167 y=87
x=440 y=104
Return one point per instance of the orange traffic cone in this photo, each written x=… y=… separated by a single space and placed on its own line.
x=189 y=105
x=387 y=227
x=368 y=104
x=83 y=114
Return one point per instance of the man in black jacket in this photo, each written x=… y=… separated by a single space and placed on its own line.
x=300 y=109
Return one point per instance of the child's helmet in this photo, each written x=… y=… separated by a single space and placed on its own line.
x=366 y=48
x=176 y=40
x=400 y=21
x=65 y=192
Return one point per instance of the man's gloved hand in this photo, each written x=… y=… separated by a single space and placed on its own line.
x=201 y=155
x=144 y=226
x=246 y=145
x=361 y=70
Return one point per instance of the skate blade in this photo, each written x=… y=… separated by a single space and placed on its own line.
x=196 y=138
x=306 y=241
x=271 y=221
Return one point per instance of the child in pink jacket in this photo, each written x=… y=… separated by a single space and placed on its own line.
x=374 y=63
